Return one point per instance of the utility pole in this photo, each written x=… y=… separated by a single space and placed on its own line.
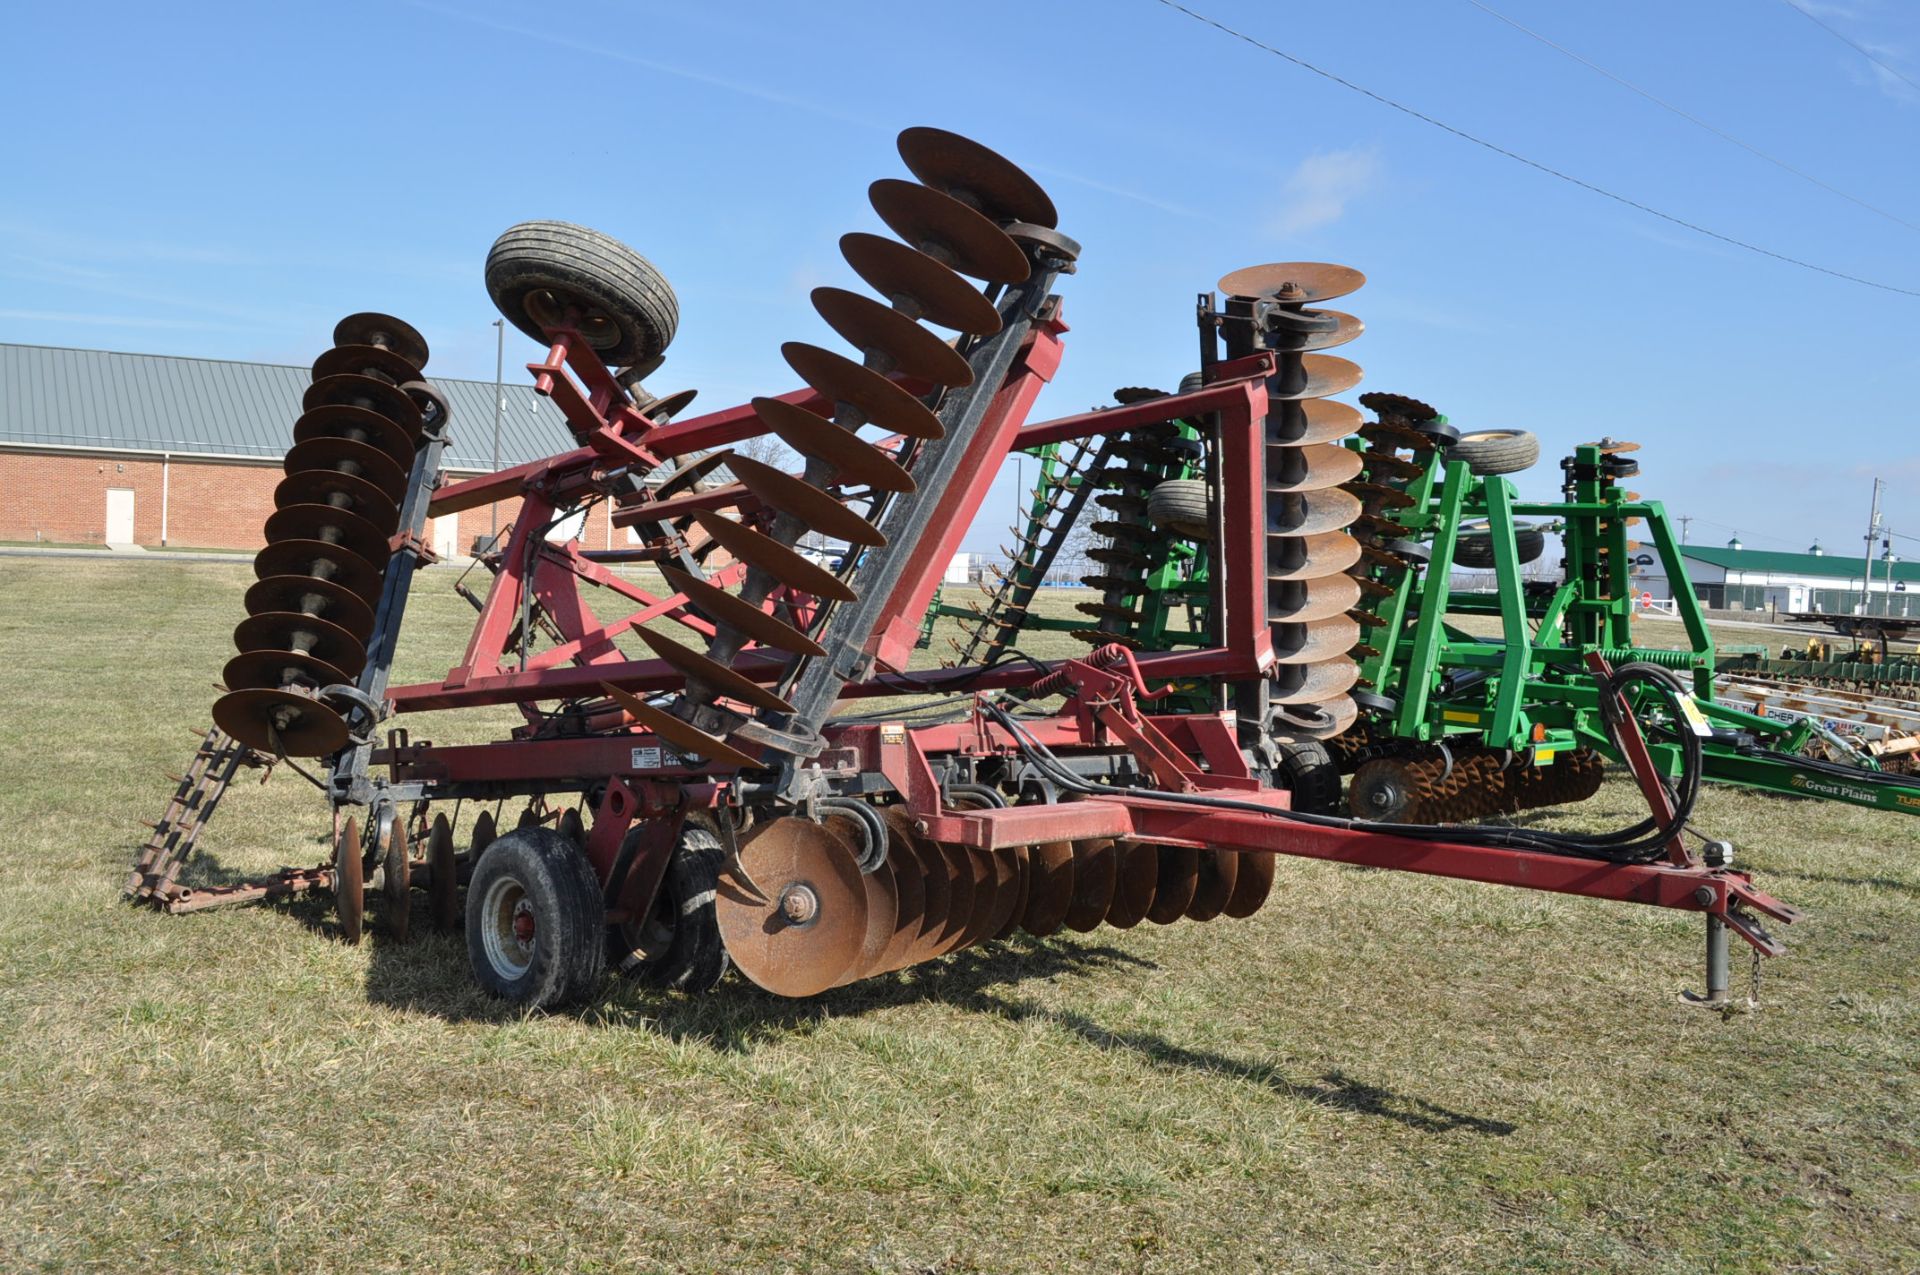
x=1873 y=534
x=1684 y=519
x=499 y=373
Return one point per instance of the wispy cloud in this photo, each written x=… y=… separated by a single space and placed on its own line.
x=602 y=50
x=1321 y=186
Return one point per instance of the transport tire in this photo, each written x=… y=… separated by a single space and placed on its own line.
x=1180 y=505
x=1497 y=451
x=1308 y=771
x=1474 y=548
x=677 y=946
x=535 y=921
x=1192 y=381
x=537 y=270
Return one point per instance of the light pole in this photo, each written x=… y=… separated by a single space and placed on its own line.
x=499 y=372
x=1873 y=534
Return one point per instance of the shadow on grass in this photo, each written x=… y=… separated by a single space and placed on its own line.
x=736 y=1016
x=1828 y=878
x=1332 y=1089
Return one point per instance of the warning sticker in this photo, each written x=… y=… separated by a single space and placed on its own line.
x=1695 y=718
x=647 y=758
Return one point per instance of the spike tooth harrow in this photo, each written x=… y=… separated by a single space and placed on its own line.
x=724 y=809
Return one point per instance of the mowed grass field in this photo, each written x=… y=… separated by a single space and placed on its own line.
x=1377 y=1072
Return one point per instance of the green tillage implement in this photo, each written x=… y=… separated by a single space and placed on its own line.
x=1529 y=690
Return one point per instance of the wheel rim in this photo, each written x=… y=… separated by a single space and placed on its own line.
x=507 y=928
x=548 y=307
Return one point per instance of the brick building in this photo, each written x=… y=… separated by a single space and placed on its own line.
x=98 y=448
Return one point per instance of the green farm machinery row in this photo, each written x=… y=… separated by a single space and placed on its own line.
x=1475 y=656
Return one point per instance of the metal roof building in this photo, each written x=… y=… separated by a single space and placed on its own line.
x=163 y=404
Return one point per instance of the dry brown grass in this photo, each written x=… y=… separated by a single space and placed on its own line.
x=1378 y=1072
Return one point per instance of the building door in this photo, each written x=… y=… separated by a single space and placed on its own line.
x=119 y=515
x=446 y=536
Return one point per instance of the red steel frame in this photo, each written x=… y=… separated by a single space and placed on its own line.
x=644 y=779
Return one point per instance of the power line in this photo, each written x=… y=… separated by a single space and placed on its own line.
x=1695 y=120
x=1533 y=164
x=1857 y=48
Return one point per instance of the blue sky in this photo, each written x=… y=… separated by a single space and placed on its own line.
x=227 y=180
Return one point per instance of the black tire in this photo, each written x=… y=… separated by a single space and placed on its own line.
x=537 y=269
x=1475 y=548
x=1192 y=381
x=678 y=946
x=538 y=874
x=1308 y=771
x=1496 y=451
x=1180 y=505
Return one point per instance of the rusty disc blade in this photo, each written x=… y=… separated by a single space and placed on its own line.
x=1373 y=588
x=1326 y=374
x=1136 y=877
x=484 y=832
x=305 y=594
x=1310 y=557
x=349 y=882
x=1174 y=889
x=365 y=360
x=973 y=882
x=1304 y=601
x=957 y=864
x=1613 y=446
x=1013 y=892
x=335 y=526
x=1314 y=467
x=1095 y=865
x=1219 y=872
x=668 y=406
x=1313 y=683
x=1393 y=433
x=1379 y=525
x=363 y=391
x=882 y=906
x=1346 y=328
x=273 y=670
x=1049 y=888
x=1315 y=641
x=371 y=328
x=879 y=331
x=920 y=932
x=1312 y=280
x=443 y=877
x=884 y=403
x=348 y=458
x=396 y=880
x=713 y=673
x=1309 y=513
x=323 y=561
x=768 y=554
x=1312 y=420
x=1252 y=882
x=356 y=424
x=778 y=489
x=339 y=490
x=687 y=477
x=306 y=727
x=725 y=608
x=1392 y=468
x=910 y=898
x=805 y=932
x=852 y=460
x=919 y=285
x=1378 y=496
x=1334 y=717
x=984 y=178
x=292 y=631
x=685 y=736
x=948 y=231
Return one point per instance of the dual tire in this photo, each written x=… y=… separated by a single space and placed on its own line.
x=537 y=931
